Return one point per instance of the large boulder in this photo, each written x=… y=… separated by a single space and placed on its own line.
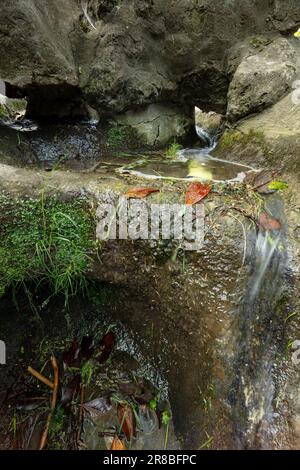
x=271 y=138
x=158 y=124
x=261 y=79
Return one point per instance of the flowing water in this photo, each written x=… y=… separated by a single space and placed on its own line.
x=259 y=328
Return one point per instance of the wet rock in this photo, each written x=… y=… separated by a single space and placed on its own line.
x=261 y=79
x=158 y=124
x=210 y=122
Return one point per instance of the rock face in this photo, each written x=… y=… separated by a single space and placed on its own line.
x=272 y=138
x=261 y=79
x=158 y=124
x=121 y=56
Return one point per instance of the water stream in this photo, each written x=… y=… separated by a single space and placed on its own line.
x=259 y=327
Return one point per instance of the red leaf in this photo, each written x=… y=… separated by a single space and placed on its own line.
x=140 y=193
x=107 y=343
x=71 y=354
x=117 y=444
x=127 y=421
x=196 y=192
x=267 y=222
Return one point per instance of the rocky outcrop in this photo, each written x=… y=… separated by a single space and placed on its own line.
x=261 y=79
x=125 y=55
x=271 y=138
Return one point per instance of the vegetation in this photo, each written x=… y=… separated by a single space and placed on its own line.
x=46 y=241
x=232 y=138
x=173 y=149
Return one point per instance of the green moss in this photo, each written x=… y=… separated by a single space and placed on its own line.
x=232 y=138
x=120 y=135
x=3 y=112
x=45 y=241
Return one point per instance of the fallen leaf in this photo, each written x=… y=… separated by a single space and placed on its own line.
x=98 y=407
x=117 y=444
x=196 y=192
x=267 y=222
x=140 y=193
x=107 y=343
x=127 y=421
x=259 y=180
x=70 y=391
x=29 y=404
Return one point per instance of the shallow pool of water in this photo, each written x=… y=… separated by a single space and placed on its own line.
x=190 y=164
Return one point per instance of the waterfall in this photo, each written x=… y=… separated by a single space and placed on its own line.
x=259 y=322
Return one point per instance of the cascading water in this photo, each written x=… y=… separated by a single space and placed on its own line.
x=209 y=141
x=259 y=324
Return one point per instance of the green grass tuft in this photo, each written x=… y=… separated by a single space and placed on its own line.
x=45 y=241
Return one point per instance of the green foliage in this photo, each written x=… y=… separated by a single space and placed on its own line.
x=153 y=404
x=172 y=151
x=117 y=135
x=278 y=185
x=46 y=241
x=87 y=372
x=57 y=422
x=166 y=417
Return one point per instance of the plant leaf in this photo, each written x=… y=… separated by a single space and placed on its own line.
x=127 y=421
x=277 y=185
x=107 y=343
x=166 y=417
x=71 y=353
x=259 y=180
x=98 y=407
x=70 y=391
x=196 y=192
x=117 y=444
x=267 y=222
x=140 y=193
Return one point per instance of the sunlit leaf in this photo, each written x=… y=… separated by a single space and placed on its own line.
x=117 y=444
x=196 y=192
x=277 y=185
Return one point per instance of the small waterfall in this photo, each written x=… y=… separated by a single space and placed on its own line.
x=266 y=245
x=259 y=325
x=209 y=141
